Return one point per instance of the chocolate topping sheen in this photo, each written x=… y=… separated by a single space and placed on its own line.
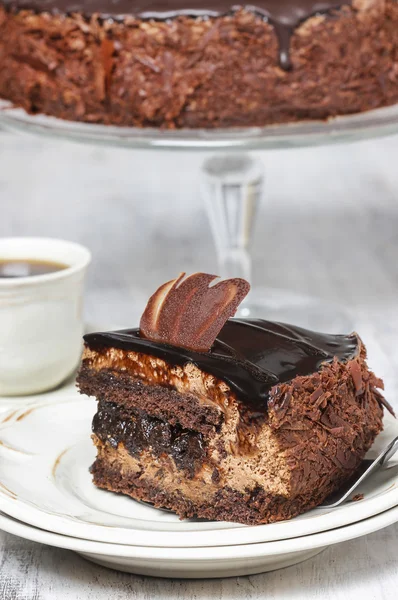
x=284 y=15
x=250 y=355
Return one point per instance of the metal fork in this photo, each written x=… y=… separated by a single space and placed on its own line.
x=366 y=468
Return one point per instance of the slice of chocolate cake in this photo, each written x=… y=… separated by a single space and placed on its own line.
x=236 y=420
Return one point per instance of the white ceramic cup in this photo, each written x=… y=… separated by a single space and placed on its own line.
x=41 y=321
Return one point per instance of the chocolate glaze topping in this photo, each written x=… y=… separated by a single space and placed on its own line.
x=250 y=355
x=284 y=15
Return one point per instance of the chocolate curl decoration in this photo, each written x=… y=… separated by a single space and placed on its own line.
x=190 y=313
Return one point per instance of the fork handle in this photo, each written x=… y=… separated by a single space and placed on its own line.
x=390 y=452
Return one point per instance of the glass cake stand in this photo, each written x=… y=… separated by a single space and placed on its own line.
x=232 y=185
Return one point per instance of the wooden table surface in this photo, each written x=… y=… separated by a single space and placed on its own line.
x=328 y=226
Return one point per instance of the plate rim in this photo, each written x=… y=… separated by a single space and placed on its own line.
x=280 y=547
x=235 y=535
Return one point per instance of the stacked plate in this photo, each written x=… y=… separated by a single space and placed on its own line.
x=46 y=495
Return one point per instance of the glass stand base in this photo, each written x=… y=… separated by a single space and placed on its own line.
x=288 y=307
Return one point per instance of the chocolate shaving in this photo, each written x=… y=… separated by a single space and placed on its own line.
x=189 y=313
x=35 y=64
x=282 y=406
x=107 y=50
x=316 y=394
x=381 y=400
x=356 y=375
x=357 y=497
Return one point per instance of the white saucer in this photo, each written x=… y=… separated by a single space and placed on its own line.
x=223 y=561
x=45 y=454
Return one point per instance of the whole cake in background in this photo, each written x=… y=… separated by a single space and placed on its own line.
x=198 y=63
x=237 y=420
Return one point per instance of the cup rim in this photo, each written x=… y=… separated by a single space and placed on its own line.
x=81 y=264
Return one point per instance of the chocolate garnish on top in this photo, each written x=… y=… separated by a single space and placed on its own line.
x=284 y=15
x=189 y=312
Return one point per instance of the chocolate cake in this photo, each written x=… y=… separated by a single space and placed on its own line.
x=198 y=63
x=240 y=420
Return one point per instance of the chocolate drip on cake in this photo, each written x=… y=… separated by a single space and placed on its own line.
x=251 y=356
x=284 y=15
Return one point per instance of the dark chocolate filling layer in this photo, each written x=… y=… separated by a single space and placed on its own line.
x=250 y=355
x=138 y=431
x=284 y=15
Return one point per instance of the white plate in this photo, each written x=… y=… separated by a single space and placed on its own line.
x=45 y=454
x=224 y=561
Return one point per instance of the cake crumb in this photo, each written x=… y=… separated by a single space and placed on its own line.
x=358 y=497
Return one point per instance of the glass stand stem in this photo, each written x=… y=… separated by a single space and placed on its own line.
x=232 y=187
